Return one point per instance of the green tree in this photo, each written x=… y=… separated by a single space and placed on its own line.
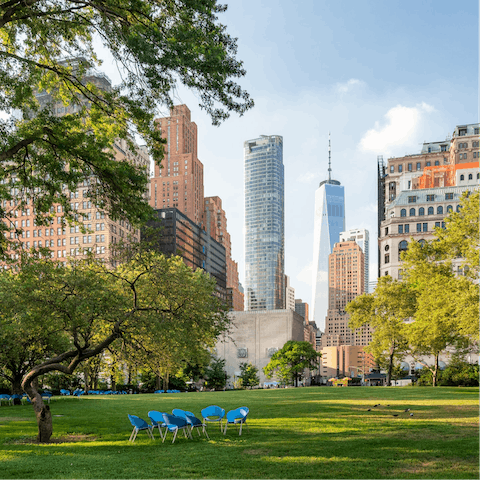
x=249 y=375
x=215 y=374
x=385 y=311
x=93 y=306
x=436 y=326
x=48 y=47
x=291 y=360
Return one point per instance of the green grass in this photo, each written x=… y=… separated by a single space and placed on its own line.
x=315 y=432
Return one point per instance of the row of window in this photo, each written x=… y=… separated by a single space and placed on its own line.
x=430 y=211
x=418 y=166
x=421 y=227
x=470 y=176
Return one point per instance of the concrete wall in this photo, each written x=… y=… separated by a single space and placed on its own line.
x=255 y=336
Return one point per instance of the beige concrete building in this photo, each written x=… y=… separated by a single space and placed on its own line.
x=255 y=336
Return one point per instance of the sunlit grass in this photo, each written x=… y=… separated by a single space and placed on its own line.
x=313 y=432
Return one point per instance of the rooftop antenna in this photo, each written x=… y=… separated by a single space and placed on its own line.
x=329 y=159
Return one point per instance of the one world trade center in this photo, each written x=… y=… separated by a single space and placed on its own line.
x=329 y=223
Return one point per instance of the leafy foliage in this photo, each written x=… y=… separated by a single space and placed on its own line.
x=47 y=53
x=249 y=375
x=145 y=302
x=215 y=374
x=291 y=360
x=385 y=311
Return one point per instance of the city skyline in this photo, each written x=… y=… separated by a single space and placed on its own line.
x=373 y=75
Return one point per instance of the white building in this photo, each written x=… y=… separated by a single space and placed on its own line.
x=361 y=237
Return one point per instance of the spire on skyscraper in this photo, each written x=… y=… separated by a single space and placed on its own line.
x=329 y=181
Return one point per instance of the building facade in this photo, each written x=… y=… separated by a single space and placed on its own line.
x=264 y=224
x=215 y=222
x=255 y=336
x=178 y=182
x=289 y=295
x=419 y=191
x=361 y=237
x=346 y=281
x=329 y=222
x=95 y=231
x=181 y=236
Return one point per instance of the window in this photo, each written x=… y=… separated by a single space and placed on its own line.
x=409 y=167
x=412 y=212
x=400 y=229
x=386 y=231
x=449 y=196
x=412 y=199
x=392 y=168
x=476 y=131
x=421 y=211
x=437 y=224
x=449 y=209
x=422 y=242
x=429 y=164
x=403 y=212
x=387 y=258
x=458 y=208
x=402 y=247
x=419 y=227
x=443 y=148
x=419 y=166
x=437 y=163
x=407 y=228
x=430 y=198
x=439 y=210
x=425 y=227
x=462 y=177
x=470 y=176
x=400 y=168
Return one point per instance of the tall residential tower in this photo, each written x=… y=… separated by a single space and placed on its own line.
x=264 y=224
x=329 y=223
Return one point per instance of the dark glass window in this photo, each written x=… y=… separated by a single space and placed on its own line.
x=412 y=212
x=400 y=229
x=403 y=212
x=421 y=211
x=425 y=227
x=419 y=227
x=449 y=209
x=407 y=228
x=439 y=210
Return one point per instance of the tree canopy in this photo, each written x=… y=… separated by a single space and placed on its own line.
x=289 y=363
x=48 y=51
x=90 y=307
x=385 y=311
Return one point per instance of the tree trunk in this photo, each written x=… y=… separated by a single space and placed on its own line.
x=42 y=413
x=17 y=389
x=158 y=382
x=435 y=372
x=390 y=367
x=86 y=378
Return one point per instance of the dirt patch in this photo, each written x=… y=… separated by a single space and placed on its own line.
x=258 y=451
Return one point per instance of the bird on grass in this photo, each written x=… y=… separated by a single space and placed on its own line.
x=411 y=414
x=407 y=410
x=395 y=415
x=369 y=410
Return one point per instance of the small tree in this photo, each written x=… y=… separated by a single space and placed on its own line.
x=215 y=374
x=289 y=363
x=249 y=375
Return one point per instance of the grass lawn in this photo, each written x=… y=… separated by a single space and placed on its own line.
x=315 y=432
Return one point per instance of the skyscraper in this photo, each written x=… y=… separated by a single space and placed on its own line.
x=179 y=181
x=329 y=223
x=264 y=224
x=361 y=237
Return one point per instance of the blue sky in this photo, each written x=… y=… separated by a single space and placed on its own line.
x=381 y=76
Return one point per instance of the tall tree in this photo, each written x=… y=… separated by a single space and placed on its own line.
x=438 y=320
x=48 y=47
x=385 y=311
x=93 y=306
x=289 y=363
x=249 y=375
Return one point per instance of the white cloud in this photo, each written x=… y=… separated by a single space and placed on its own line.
x=347 y=86
x=399 y=130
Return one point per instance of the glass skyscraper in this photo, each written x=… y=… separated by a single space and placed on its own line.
x=329 y=223
x=264 y=224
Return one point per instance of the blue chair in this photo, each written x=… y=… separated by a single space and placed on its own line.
x=47 y=396
x=174 y=424
x=157 y=421
x=139 y=424
x=192 y=420
x=213 y=413
x=237 y=417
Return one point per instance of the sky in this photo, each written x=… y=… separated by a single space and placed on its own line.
x=382 y=77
